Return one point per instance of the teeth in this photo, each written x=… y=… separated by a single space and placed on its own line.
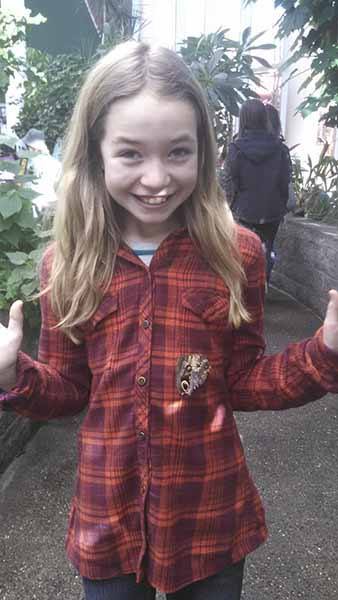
x=154 y=200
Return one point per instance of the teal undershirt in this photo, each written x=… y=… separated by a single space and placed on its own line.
x=144 y=251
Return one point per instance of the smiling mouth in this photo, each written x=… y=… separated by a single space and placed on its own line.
x=153 y=200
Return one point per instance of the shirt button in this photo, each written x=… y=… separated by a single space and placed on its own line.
x=141 y=380
x=146 y=324
x=142 y=436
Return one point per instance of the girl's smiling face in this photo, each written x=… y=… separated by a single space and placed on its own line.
x=150 y=159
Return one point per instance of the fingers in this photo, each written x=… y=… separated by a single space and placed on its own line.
x=333 y=295
x=15 y=322
x=332 y=308
x=330 y=329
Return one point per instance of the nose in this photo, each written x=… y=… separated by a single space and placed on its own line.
x=155 y=176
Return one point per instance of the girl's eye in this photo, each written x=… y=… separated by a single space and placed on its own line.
x=130 y=154
x=180 y=152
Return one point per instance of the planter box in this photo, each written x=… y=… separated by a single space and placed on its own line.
x=307 y=261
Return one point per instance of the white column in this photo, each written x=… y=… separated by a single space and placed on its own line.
x=297 y=129
x=169 y=22
x=137 y=11
x=159 y=22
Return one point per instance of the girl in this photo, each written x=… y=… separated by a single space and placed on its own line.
x=275 y=127
x=152 y=309
x=274 y=122
x=259 y=171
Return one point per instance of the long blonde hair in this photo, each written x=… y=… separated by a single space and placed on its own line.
x=87 y=233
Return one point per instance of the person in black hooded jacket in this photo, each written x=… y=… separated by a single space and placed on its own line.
x=258 y=172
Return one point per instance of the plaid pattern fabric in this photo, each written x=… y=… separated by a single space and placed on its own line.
x=163 y=489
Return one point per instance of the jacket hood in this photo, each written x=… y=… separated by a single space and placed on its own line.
x=258 y=145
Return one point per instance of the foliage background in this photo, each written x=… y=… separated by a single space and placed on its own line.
x=50 y=92
x=13 y=29
x=53 y=81
x=23 y=236
x=21 y=230
x=314 y=23
x=225 y=69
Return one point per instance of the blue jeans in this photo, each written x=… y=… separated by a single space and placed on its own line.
x=267 y=232
x=226 y=585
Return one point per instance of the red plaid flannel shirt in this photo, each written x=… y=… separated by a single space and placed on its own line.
x=163 y=489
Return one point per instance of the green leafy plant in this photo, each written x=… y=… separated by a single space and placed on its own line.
x=120 y=21
x=225 y=69
x=13 y=30
x=316 y=187
x=315 y=24
x=50 y=93
x=298 y=183
x=22 y=236
x=52 y=86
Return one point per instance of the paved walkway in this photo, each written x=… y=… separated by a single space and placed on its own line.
x=293 y=457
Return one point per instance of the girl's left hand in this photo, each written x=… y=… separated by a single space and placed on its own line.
x=330 y=328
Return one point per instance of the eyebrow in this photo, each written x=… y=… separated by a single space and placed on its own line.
x=186 y=137
x=125 y=140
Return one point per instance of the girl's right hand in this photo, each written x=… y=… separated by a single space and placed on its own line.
x=10 y=342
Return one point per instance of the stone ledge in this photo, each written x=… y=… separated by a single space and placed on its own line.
x=306 y=261
x=15 y=432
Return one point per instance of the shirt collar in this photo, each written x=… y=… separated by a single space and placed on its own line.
x=169 y=249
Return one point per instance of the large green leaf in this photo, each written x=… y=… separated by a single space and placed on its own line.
x=36 y=255
x=30 y=288
x=222 y=81
x=26 y=219
x=246 y=35
x=27 y=193
x=10 y=204
x=5 y=224
x=255 y=37
x=20 y=275
x=228 y=97
x=262 y=47
x=263 y=62
x=11 y=237
x=17 y=258
x=214 y=60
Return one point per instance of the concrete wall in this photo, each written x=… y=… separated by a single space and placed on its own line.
x=307 y=261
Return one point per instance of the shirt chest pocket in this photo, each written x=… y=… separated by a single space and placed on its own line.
x=102 y=335
x=204 y=327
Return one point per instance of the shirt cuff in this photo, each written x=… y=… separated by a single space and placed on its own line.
x=325 y=361
x=22 y=390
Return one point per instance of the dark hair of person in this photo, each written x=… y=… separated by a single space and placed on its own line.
x=252 y=116
x=274 y=123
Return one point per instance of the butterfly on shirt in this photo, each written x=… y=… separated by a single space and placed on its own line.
x=191 y=372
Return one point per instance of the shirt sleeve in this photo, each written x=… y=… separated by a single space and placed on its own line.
x=303 y=372
x=55 y=385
